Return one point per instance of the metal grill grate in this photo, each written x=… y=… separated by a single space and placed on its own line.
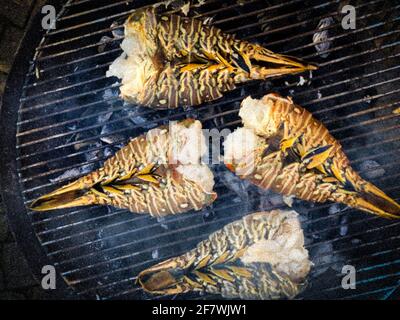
x=71 y=119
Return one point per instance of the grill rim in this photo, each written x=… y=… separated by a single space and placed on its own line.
x=10 y=187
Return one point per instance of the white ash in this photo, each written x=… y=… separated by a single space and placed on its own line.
x=367 y=99
x=235 y=184
x=93 y=153
x=324 y=258
x=288 y=200
x=108 y=152
x=161 y=219
x=356 y=241
x=154 y=254
x=269 y=199
x=118 y=29
x=137 y=116
x=110 y=137
x=371 y=169
x=104 y=117
x=334 y=208
x=185 y=8
x=319 y=94
x=162 y=222
x=87 y=168
x=321 y=38
x=69 y=174
x=103 y=43
x=302 y=81
x=237 y=200
x=344 y=228
x=72 y=127
x=109 y=93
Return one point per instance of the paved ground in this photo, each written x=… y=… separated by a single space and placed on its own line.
x=16 y=281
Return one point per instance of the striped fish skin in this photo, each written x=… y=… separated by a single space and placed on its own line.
x=227 y=263
x=189 y=62
x=139 y=178
x=302 y=159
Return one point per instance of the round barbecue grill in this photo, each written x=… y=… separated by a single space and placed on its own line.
x=62 y=117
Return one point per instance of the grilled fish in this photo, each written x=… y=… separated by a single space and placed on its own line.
x=159 y=173
x=260 y=256
x=172 y=61
x=283 y=148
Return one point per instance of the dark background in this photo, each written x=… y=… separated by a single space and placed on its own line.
x=16 y=281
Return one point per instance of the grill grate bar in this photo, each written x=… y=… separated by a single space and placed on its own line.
x=82 y=48
x=180 y=241
x=58 y=78
x=380 y=24
x=98 y=43
x=47 y=173
x=134 y=219
x=347 y=211
x=339 y=106
x=322 y=64
x=84 y=59
x=350 y=45
x=106 y=30
x=302 y=47
x=72 y=3
x=66 y=99
x=134 y=289
x=103 y=158
x=96 y=21
x=332 y=26
x=300 y=24
x=112 y=86
x=267 y=9
x=71 y=213
x=58 y=90
x=67 y=110
x=137 y=288
x=77 y=211
x=288 y=86
x=125 y=244
x=304 y=104
x=368 y=293
x=61 y=124
x=360 y=282
x=82 y=13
